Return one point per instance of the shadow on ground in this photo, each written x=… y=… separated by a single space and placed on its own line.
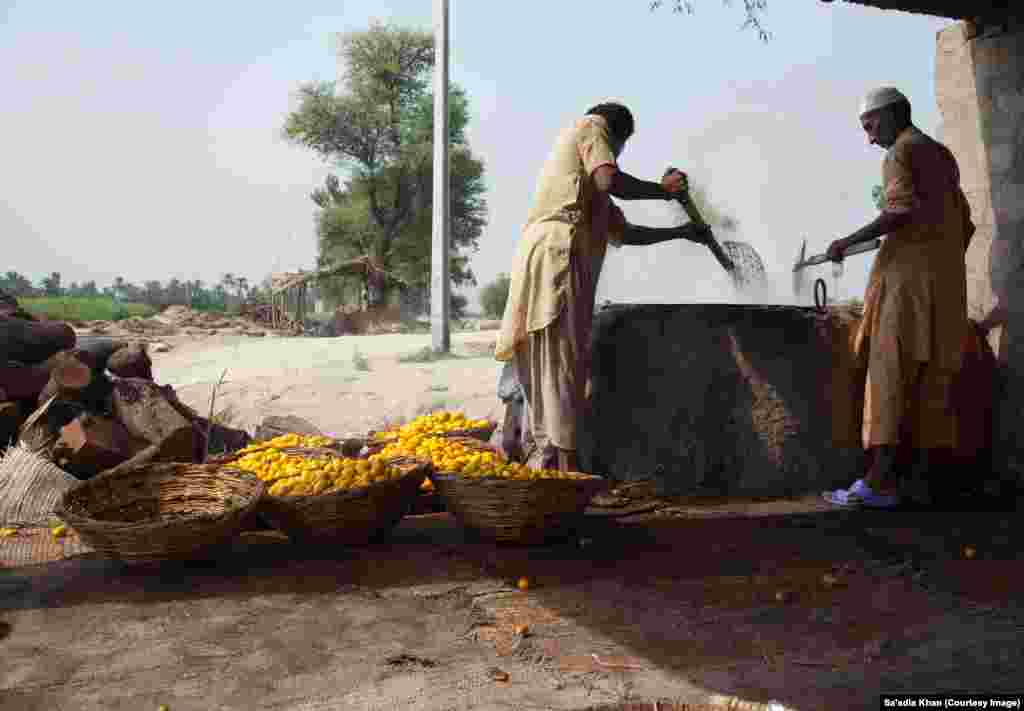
x=823 y=610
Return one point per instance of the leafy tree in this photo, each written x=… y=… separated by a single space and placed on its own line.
x=17 y=284
x=153 y=294
x=494 y=296
x=379 y=130
x=133 y=294
x=457 y=305
x=751 y=8
x=51 y=284
x=174 y=292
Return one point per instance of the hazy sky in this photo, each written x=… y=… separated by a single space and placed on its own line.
x=142 y=140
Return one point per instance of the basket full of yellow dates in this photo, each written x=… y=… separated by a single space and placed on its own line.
x=442 y=423
x=315 y=493
x=426 y=437
x=511 y=503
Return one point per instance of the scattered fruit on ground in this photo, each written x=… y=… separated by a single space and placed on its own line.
x=498 y=674
x=523 y=584
x=59 y=531
x=8 y=532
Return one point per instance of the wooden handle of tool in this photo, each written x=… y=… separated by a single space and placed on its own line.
x=684 y=199
x=691 y=210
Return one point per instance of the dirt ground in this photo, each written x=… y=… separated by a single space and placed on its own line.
x=342 y=385
x=710 y=603
x=681 y=609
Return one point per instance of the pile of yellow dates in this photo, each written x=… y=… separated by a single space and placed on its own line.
x=418 y=439
x=292 y=475
x=440 y=422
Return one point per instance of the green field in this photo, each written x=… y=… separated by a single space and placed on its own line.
x=97 y=308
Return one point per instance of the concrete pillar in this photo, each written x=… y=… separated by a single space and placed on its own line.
x=957 y=96
x=980 y=91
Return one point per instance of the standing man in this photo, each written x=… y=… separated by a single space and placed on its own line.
x=915 y=308
x=545 y=331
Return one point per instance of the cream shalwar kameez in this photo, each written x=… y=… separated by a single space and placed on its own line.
x=547 y=322
x=915 y=308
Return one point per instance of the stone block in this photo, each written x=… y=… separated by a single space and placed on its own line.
x=991 y=53
x=1010 y=199
x=1011 y=102
x=981 y=98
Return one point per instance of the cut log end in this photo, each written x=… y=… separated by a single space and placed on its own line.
x=72 y=375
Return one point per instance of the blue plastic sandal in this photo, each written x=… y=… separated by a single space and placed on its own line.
x=860 y=495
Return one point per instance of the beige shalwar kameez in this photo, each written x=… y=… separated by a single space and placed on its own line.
x=915 y=308
x=547 y=321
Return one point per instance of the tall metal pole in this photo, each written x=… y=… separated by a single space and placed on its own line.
x=440 y=284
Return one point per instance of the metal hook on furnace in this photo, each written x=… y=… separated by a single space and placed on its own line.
x=820 y=296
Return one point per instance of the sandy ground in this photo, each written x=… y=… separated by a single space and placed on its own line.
x=317 y=378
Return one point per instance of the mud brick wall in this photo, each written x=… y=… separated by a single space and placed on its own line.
x=980 y=91
x=723 y=399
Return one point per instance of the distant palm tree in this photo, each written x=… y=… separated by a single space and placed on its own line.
x=227 y=283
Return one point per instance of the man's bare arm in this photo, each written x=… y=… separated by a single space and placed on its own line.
x=638 y=236
x=886 y=223
x=624 y=186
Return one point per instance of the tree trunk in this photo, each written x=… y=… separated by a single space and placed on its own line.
x=12 y=415
x=89 y=444
x=100 y=350
x=77 y=376
x=177 y=446
x=146 y=410
x=22 y=382
x=33 y=341
x=131 y=362
x=69 y=378
x=42 y=428
x=376 y=293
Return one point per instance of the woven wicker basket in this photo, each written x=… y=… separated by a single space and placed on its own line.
x=514 y=511
x=30 y=487
x=348 y=517
x=161 y=511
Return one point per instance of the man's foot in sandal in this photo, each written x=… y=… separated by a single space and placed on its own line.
x=861 y=495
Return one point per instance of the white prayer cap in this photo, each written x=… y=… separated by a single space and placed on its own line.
x=877 y=98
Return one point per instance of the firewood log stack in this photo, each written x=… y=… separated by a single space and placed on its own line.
x=92 y=407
